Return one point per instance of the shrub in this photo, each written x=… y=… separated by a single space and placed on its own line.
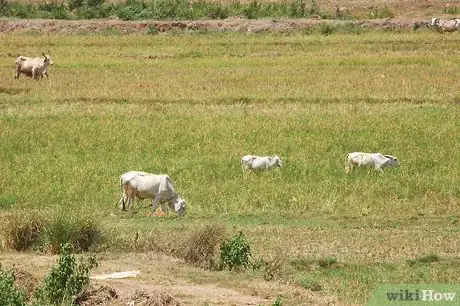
x=9 y=294
x=81 y=233
x=20 y=230
x=65 y=280
x=235 y=253
x=200 y=248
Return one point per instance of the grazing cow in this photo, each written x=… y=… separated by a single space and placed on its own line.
x=370 y=160
x=442 y=25
x=145 y=185
x=34 y=68
x=254 y=162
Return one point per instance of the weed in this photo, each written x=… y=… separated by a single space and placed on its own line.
x=200 y=247
x=152 y=30
x=67 y=279
x=81 y=233
x=429 y=258
x=277 y=302
x=9 y=294
x=310 y=283
x=235 y=253
x=21 y=230
x=327 y=262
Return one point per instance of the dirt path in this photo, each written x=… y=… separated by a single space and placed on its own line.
x=227 y=25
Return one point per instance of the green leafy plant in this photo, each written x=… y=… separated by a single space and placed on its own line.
x=235 y=253
x=65 y=280
x=277 y=302
x=9 y=294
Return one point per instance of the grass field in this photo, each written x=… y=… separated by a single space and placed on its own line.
x=193 y=105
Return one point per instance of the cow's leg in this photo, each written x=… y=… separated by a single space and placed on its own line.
x=16 y=75
x=164 y=207
x=349 y=167
x=122 y=202
x=155 y=202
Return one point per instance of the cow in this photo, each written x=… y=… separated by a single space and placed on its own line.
x=158 y=187
x=442 y=25
x=377 y=161
x=34 y=68
x=253 y=162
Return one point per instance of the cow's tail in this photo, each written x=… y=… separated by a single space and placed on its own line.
x=347 y=163
x=122 y=201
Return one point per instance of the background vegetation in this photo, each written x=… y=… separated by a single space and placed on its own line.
x=165 y=10
x=192 y=105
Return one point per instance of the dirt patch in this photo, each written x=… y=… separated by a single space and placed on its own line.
x=162 y=298
x=103 y=295
x=228 y=25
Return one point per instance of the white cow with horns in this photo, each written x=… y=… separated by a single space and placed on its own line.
x=35 y=68
x=158 y=187
x=262 y=163
x=377 y=161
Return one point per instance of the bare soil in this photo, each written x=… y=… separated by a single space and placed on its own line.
x=165 y=280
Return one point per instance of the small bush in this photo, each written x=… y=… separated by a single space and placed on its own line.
x=20 y=230
x=235 y=253
x=200 y=248
x=81 y=233
x=65 y=280
x=9 y=294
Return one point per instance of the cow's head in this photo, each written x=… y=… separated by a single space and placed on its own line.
x=47 y=59
x=278 y=161
x=179 y=205
x=434 y=21
x=392 y=161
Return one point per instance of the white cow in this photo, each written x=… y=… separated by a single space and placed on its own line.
x=370 y=160
x=442 y=25
x=145 y=185
x=254 y=162
x=35 y=68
